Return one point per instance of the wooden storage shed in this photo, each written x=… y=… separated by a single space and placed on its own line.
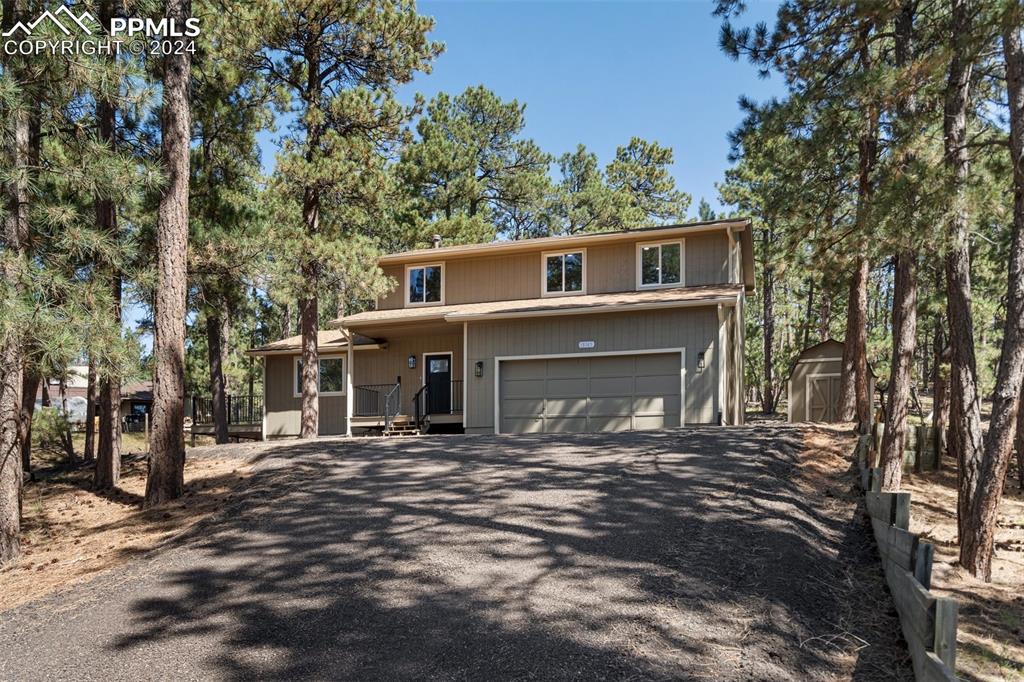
x=813 y=387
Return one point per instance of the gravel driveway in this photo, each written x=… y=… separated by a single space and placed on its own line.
x=660 y=555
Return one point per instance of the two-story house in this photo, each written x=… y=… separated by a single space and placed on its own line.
x=609 y=331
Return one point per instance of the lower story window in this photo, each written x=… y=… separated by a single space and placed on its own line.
x=332 y=376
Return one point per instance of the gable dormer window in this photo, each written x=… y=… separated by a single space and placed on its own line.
x=563 y=273
x=424 y=284
x=660 y=264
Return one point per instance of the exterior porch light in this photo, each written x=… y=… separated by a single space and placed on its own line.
x=700 y=362
x=478 y=368
x=412 y=361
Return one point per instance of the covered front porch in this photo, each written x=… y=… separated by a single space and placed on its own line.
x=412 y=382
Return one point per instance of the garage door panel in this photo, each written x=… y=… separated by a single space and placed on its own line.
x=611 y=423
x=657 y=385
x=524 y=369
x=612 y=406
x=647 y=365
x=523 y=407
x=641 y=422
x=612 y=366
x=565 y=424
x=559 y=388
x=535 y=425
x=522 y=388
x=565 y=407
x=575 y=368
x=607 y=386
x=597 y=393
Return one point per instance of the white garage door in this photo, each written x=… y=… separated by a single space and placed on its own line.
x=607 y=393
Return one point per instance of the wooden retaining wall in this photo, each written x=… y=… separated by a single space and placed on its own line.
x=928 y=622
x=920 y=450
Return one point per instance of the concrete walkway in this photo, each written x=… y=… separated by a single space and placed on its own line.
x=663 y=555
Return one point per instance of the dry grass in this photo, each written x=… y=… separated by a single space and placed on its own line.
x=71 y=533
x=990 y=641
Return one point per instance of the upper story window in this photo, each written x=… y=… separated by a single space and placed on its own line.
x=332 y=376
x=564 y=273
x=660 y=264
x=424 y=284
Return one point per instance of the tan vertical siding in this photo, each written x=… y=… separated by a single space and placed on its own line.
x=394 y=298
x=499 y=278
x=707 y=259
x=610 y=268
x=696 y=329
x=284 y=410
x=384 y=366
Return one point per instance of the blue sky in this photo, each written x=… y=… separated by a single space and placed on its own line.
x=597 y=73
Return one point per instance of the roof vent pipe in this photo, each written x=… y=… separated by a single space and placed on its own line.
x=437 y=241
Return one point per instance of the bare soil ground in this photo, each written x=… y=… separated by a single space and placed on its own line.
x=990 y=641
x=699 y=553
x=72 y=532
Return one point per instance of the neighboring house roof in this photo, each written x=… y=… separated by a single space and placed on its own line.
x=328 y=340
x=741 y=226
x=141 y=391
x=561 y=305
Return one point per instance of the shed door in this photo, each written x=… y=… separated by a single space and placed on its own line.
x=822 y=398
x=607 y=393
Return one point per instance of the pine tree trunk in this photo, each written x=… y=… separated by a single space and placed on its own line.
x=310 y=369
x=904 y=326
x=965 y=435
x=286 y=321
x=309 y=306
x=940 y=393
x=978 y=538
x=853 y=380
x=904 y=302
x=44 y=399
x=107 y=472
x=90 y=414
x=29 y=388
x=1020 y=442
x=807 y=315
x=13 y=242
x=218 y=391
x=166 y=478
x=69 y=445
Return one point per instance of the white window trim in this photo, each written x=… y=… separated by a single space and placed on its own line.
x=323 y=394
x=639 y=263
x=544 y=273
x=420 y=266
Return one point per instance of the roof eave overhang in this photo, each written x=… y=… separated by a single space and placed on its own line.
x=255 y=352
x=593 y=310
x=738 y=225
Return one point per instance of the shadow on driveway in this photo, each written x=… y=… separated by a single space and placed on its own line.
x=676 y=554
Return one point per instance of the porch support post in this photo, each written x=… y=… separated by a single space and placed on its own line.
x=723 y=409
x=349 y=392
x=465 y=372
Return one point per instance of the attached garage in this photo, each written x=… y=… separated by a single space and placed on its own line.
x=590 y=392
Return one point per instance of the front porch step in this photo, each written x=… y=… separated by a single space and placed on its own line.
x=407 y=429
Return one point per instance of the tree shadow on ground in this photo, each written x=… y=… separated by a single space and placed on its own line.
x=675 y=554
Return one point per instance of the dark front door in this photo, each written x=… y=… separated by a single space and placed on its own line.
x=439 y=382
